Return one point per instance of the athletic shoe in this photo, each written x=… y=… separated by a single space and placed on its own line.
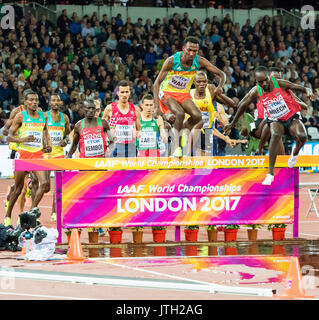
x=178 y=153
x=6 y=205
x=101 y=232
x=293 y=159
x=7 y=221
x=53 y=216
x=268 y=180
x=28 y=193
x=184 y=139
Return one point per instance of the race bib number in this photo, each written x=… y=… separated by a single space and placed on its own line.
x=56 y=137
x=37 y=143
x=178 y=82
x=148 y=140
x=124 y=133
x=206 y=119
x=93 y=147
x=277 y=108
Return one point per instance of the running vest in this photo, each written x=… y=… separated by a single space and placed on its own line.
x=180 y=79
x=260 y=112
x=13 y=145
x=123 y=125
x=56 y=132
x=207 y=108
x=149 y=135
x=279 y=104
x=31 y=126
x=92 y=141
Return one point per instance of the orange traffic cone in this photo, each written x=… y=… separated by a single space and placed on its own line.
x=294 y=288
x=75 y=251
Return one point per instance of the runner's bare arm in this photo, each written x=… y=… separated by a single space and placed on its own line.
x=67 y=131
x=223 y=137
x=167 y=66
x=221 y=115
x=285 y=84
x=204 y=63
x=138 y=118
x=13 y=130
x=249 y=98
x=303 y=105
x=110 y=137
x=76 y=139
x=47 y=142
x=223 y=98
x=161 y=128
x=107 y=112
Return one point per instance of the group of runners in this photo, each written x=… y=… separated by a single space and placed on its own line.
x=175 y=112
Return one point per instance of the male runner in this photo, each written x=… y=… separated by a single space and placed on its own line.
x=29 y=130
x=262 y=131
x=124 y=120
x=26 y=191
x=172 y=88
x=282 y=111
x=91 y=133
x=205 y=99
x=151 y=130
x=59 y=129
x=29 y=182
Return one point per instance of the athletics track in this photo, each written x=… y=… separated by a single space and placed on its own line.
x=162 y=278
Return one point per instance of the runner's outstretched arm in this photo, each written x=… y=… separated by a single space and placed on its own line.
x=249 y=98
x=167 y=66
x=204 y=63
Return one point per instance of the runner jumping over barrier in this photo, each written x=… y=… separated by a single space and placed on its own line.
x=282 y=114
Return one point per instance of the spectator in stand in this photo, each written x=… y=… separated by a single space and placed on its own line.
x=5 y=95
x=63 y=22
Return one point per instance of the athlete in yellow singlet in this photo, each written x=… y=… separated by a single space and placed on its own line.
x=205 y=99
x=26 y=191
x=29 y=130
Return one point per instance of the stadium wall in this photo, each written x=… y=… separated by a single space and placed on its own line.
x=134 y=13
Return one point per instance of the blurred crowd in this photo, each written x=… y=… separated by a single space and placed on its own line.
x=85 y=57
x=235 y=4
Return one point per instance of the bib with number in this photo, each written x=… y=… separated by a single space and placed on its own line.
x=32 y=126
x=180 y=79
x=149 y=135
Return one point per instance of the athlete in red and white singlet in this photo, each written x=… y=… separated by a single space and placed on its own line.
x=91 y=133
x=282 y=110
x=124 y=120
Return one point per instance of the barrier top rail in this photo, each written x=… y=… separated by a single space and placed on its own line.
x=102 y=164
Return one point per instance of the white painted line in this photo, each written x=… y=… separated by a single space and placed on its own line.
x=213 y=288
x=190 y=285
x=9 y=293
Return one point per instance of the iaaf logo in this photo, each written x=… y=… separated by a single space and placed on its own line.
x=8 y=20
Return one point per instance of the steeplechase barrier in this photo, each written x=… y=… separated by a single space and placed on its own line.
x=129 y=192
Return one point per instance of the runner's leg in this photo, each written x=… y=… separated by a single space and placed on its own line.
x=18 y=186
x=194 y=124
x=179 y=114
x=44 y=186
x=298 y=130
x=276 y=131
